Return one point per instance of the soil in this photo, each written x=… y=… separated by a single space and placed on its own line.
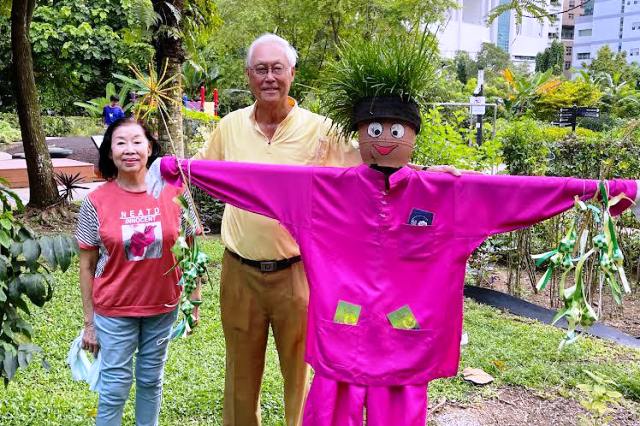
x=59 y=219
x=626 y=318
x=511 y=406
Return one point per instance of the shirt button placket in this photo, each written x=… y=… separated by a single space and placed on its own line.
x=383 y=210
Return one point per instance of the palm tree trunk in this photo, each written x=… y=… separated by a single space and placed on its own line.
x=43 y=191
x=169 y=52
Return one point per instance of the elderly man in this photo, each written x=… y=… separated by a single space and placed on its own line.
x=263 y=281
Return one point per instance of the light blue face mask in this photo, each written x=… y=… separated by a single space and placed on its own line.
x=82 y=368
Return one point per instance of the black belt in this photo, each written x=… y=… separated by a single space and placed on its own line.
x=267 y=265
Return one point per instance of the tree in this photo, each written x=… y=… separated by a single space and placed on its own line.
x=43 y=191
x=465 y=67
x=175 y=22
x=522 y=8
x=608 y=61
x=316 y=29
x=552 y=58
x=493 y=58
x=76 y=47
x=170 y=56
x=566 y=94
x=532 y=9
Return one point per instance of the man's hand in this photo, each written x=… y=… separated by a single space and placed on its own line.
x=89 y=341
x=154 y=180
x=444 y=169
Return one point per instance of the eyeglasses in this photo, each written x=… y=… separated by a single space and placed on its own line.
x=263 y=70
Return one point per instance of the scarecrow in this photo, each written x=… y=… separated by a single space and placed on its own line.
x=384 y=245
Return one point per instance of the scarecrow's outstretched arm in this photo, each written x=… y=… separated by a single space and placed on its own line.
x=276 y=191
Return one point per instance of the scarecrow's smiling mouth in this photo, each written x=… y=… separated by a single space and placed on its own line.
x=384 y=149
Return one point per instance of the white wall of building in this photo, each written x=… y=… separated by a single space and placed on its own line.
x=614 y=23
x=465 y=29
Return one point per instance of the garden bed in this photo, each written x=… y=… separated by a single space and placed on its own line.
x=626 y=318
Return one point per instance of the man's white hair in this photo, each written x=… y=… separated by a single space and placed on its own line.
x=291 y=53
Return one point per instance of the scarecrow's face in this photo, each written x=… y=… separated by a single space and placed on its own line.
x=387 y=143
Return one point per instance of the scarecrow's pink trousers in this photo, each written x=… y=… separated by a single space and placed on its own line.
x=332 y=403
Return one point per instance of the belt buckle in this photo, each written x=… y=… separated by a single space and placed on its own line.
x=268 y=266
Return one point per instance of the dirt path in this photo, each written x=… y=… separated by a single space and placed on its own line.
x=514 y=406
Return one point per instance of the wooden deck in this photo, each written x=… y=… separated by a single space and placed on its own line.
x=15 y=171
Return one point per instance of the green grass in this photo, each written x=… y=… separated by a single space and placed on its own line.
x=194 y=378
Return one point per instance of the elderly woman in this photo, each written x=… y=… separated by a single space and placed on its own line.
x=129 y=297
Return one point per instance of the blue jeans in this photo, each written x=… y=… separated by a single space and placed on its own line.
x=119 y=337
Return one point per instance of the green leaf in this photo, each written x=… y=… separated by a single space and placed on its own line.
x=63 y=252
x=35 y=289
x=47 y=251
x=6 y=223
x=4 y=262
x=15 y=248
x=26 y=233
x=73 y=244
x=3 y=297
x=5 y=240
x=13 y=291
x=31 y=251
x=10 y=365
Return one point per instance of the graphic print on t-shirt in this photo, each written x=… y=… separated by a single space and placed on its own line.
x=142 y=234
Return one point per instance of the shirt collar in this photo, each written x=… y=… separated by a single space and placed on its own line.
x=377 y=177
x=292 y=102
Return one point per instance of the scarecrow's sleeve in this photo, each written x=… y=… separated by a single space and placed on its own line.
x=486 y=205
x=276 y=191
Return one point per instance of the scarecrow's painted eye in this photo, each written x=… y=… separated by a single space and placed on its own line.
x=375 y=129
x=397 y=130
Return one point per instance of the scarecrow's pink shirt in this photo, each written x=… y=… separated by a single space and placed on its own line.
x=357 y=246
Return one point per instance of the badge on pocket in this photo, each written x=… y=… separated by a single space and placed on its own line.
x=347 y=313
x=420 y=218
x=403 y=319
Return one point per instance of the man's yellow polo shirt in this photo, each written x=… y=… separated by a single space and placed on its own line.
x=302 y=138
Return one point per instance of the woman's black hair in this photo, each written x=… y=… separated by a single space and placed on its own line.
x=106 y=165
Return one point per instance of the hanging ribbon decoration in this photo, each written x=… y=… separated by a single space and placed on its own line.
x=558 y=258
x=155 y=93
x=577 y=310
x=189 y=258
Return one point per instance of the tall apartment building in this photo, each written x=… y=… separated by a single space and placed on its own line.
x=613 y=23
x=574 y=9
x=465 y=29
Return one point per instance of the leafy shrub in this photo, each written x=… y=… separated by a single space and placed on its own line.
x=200 y=116
x=58 y=125
x=523 y=147
x=85 y=126
x=445 y=138
x=8 y=133
x=26 y=264
x=532 y=148
x=196 y=133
